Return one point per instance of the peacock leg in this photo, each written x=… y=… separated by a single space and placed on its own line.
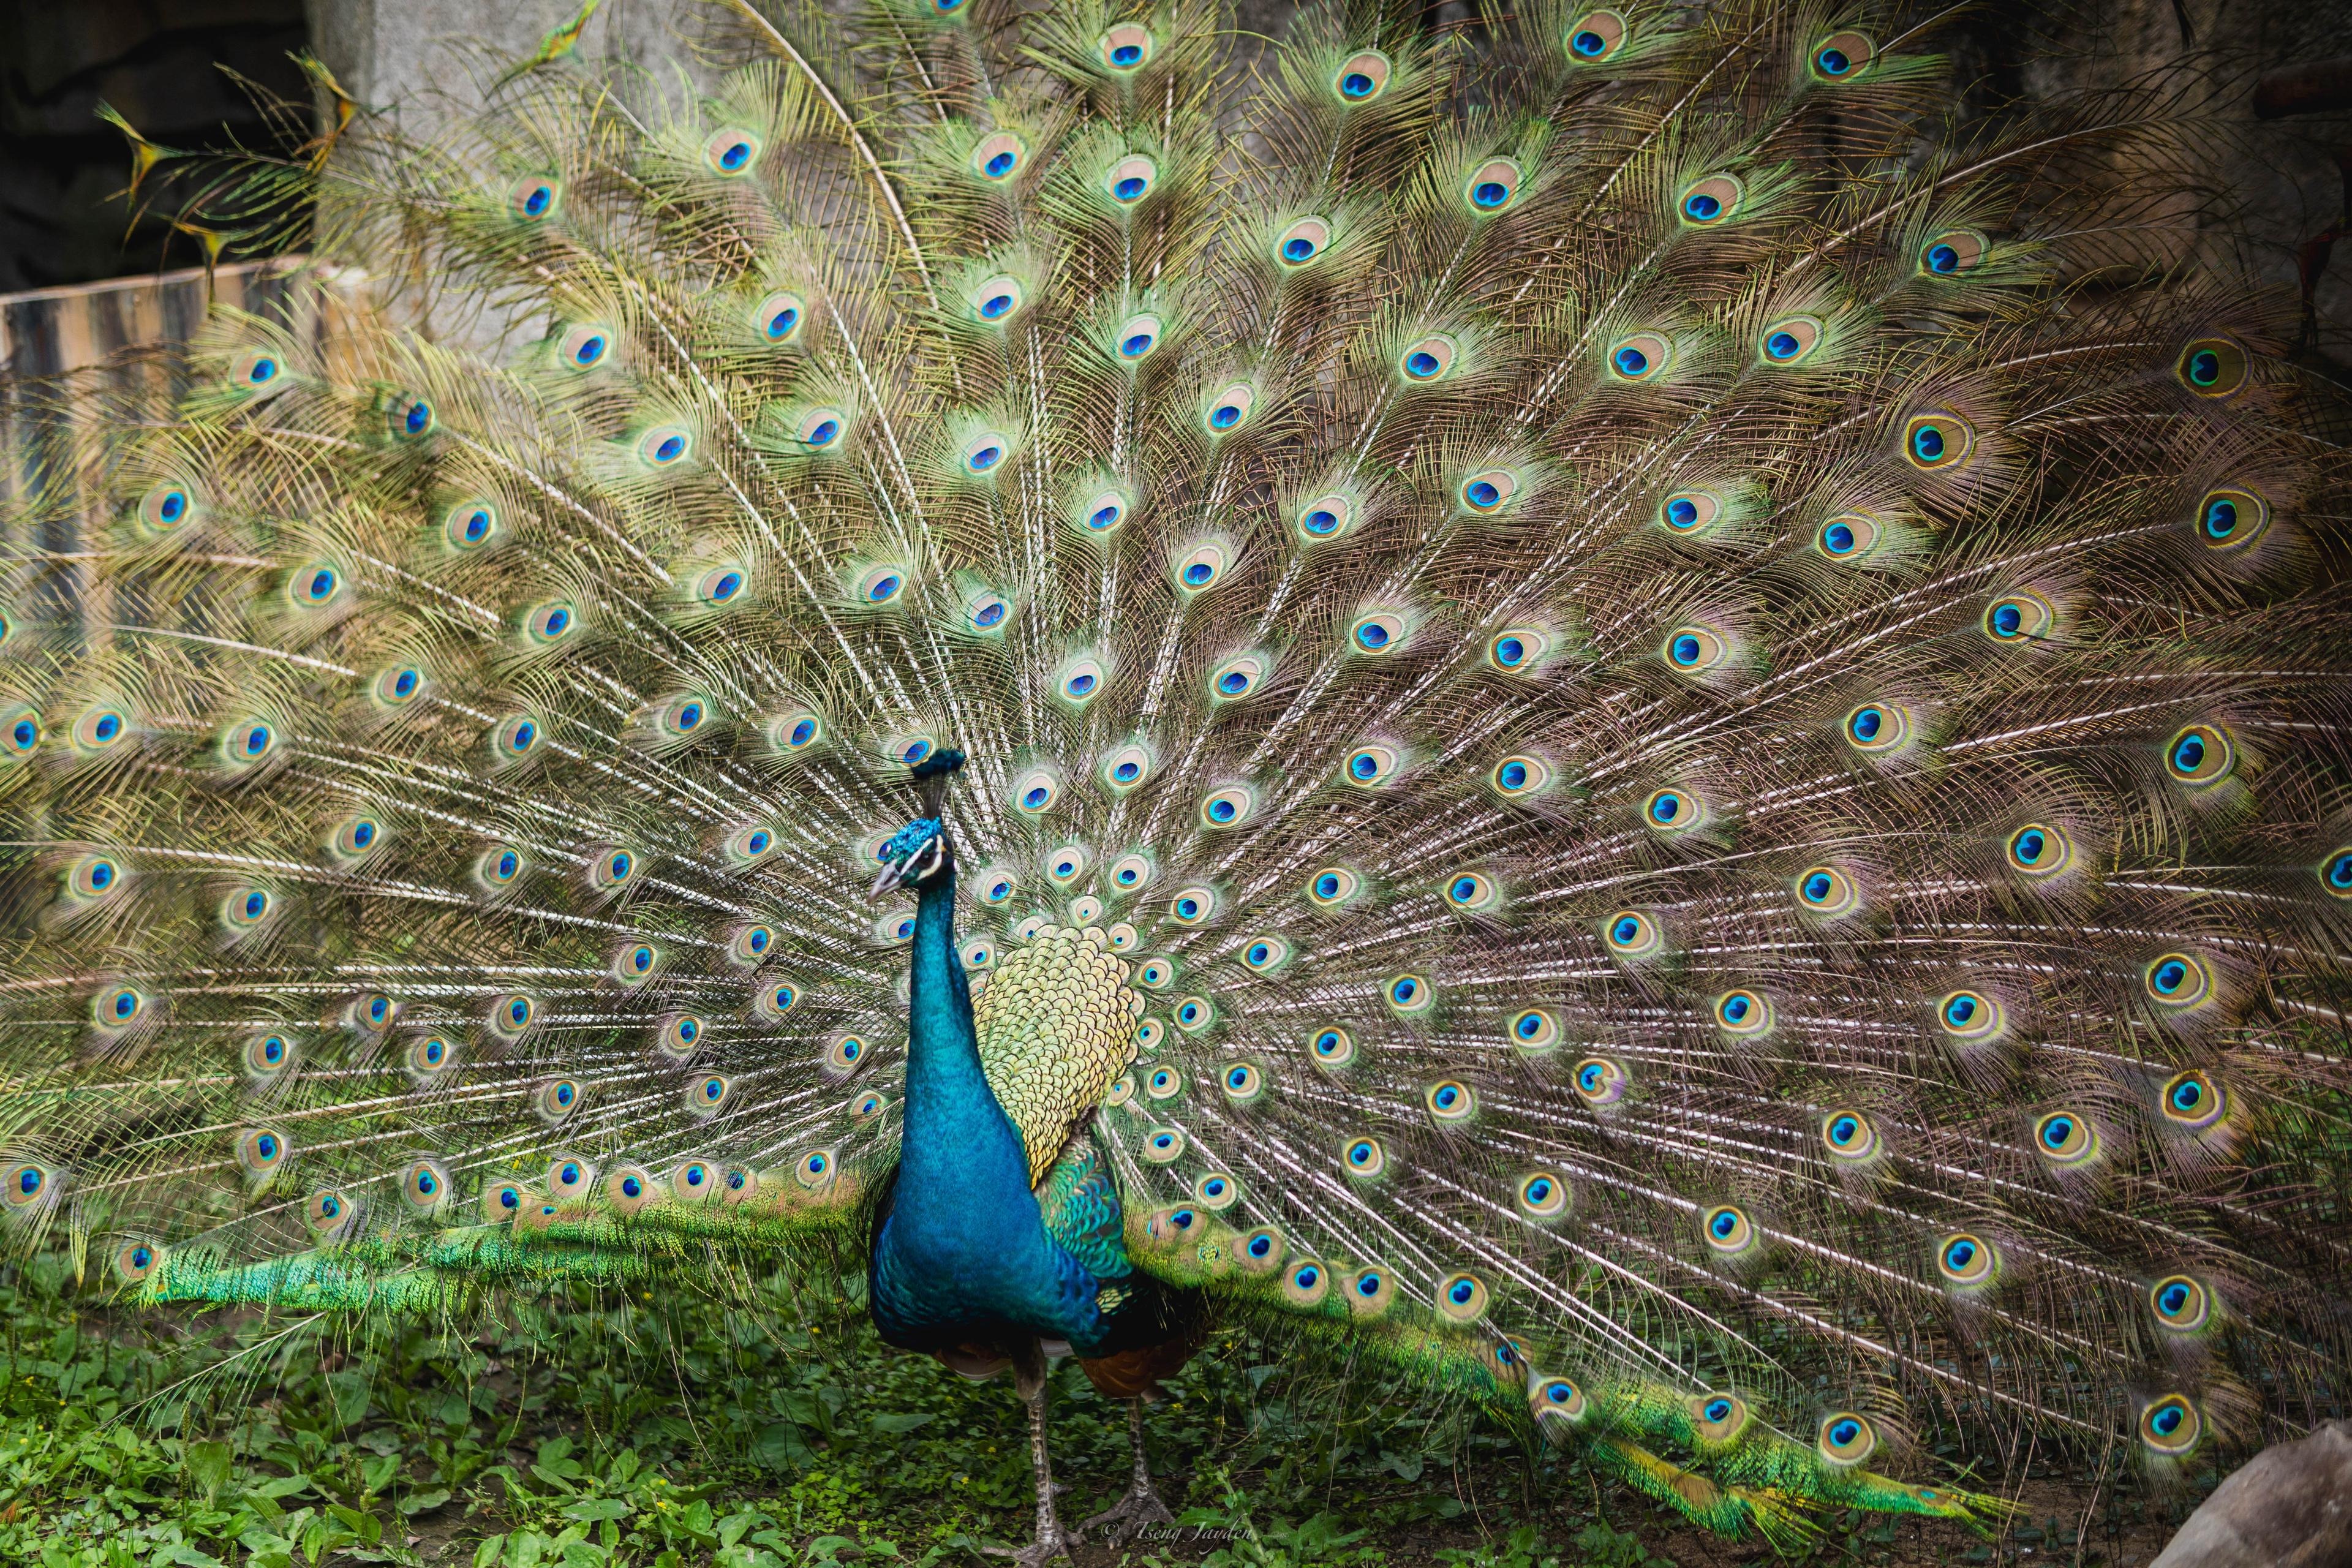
x=1029 y=1369
x=1141 y=1505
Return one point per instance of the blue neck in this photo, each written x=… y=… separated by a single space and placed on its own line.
x=960 y=1151
x=963 y=1253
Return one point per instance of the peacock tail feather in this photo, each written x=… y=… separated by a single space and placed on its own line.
x=1650 y=730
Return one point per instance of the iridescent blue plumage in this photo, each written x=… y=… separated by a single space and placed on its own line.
x=961 y=1255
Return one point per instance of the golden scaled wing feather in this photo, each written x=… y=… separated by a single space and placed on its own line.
x=1056 y=1026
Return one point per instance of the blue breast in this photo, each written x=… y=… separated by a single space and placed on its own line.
x=963 y=1252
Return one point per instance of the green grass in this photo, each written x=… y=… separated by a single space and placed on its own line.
x=678 y=1433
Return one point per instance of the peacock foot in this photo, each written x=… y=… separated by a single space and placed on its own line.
x=1141 y=1507
x=1051 y=1542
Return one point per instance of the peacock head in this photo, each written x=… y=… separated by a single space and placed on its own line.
x=922 y=853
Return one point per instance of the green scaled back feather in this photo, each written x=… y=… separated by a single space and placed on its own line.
x=1711 y=729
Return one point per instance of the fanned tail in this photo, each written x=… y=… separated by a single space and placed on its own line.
x=1707 y=711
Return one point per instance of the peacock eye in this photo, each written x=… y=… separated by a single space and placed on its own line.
x=1124 y=47
x=532 y=198
x=1202 y=567
x=728 y=154
x=984 y=452
x=1642 y=357
x=1472 y=891
x=2201 y=755
x=999 y=157
x=1409 y=995
x=2170 y=1426
x=1362 y=78
x=998 y=299
x=1842 y=57
x=1633 y=934
x=1693 y=649
x=1595 y=36
x=1790 y=342
x=1849 y=1135
x=777 y=318
x=1301 y=242
x=1191 y=906
x=1101 y=512
x=2212 y=367
x=1690 y=512
x=1672 y=811
x=2177 y=981
x=1237 y=677
x=2229 y=520
x=1428 y=359
x=1937 y=441
x=1949 y=254
x=1848 y=538
x=1228 y=807
x=1326 y=517
x=1712 y=201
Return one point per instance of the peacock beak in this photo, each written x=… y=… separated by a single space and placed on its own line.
x=889 y=882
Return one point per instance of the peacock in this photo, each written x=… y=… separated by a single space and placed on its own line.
x=1616 y=709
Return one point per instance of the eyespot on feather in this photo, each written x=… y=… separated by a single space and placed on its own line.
x=1332 y=1048
x=2177 y=982
x=1790 y=340
x=1600 y=1082
x=1642 y=357
x=533 y=198
x=1493 y=187
x=1937 y=441
x=1688 y=514
x=2232 y=519
x=1427 y=360
x=1827 y=892
x=1489 y=490
x=1952 y=253
x=1694 y=649
x=2212 y=367
x=2038 y=850
x=1369 y=1292
x=2201 y=756
x=1409 y=995
x=1711 y=201
x=1301 y=241
x=1966 y=1260
x=2180 y=1304
x=1595 y=36
x=1845 y=1440
x=2020 y=616
x=1849 y=1136
x=2170 y=1427
x=1717 y=1418
x=999 y=157
x=1126 y=47
x=1841 y=57
x=1743 y=1014
x=1363 y=77
x=730 y=153
x=1543 y=1196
